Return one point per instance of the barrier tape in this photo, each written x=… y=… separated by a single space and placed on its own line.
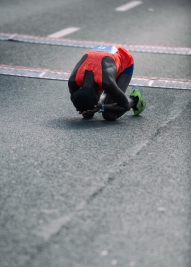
x=90 y=44
x=64 y=76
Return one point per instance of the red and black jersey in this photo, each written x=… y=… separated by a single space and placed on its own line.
x=122 y=58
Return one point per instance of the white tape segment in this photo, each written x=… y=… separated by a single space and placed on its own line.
x=90 y=44
x=64 y=76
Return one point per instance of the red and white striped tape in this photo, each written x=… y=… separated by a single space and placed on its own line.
x=64 y=76
x=90 y=44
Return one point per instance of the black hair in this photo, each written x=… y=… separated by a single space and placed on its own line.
x=84 y=99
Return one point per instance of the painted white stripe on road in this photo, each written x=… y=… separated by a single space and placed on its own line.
x=64 y=32
x=128 y=6
x=155 y=82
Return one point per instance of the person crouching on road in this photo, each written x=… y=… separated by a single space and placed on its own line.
x=99 y=81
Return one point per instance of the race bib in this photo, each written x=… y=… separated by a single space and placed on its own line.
x=105 y=48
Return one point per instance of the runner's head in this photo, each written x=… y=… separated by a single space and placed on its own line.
x=84 y=99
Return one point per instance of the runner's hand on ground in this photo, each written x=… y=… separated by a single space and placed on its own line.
x=96 y=109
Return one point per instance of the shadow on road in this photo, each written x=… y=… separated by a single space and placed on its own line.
x=67 y=123
x=76 y=123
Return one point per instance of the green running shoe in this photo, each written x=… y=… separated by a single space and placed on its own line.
x=136 y=94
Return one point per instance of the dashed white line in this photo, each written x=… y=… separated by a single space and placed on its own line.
x=64 y=32
x=128 y=6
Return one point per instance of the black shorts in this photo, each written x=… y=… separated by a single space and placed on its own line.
x=129 y=70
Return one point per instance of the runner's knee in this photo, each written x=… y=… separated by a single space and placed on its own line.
x=109 y=116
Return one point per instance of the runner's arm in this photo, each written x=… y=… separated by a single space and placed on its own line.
x=109 y=84
x=73 y=87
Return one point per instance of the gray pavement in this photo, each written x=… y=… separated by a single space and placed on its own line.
x=78 y=193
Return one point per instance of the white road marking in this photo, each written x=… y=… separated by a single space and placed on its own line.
x=64 y=32
x=128 y=6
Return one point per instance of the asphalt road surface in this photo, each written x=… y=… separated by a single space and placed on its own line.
x=78 y=193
